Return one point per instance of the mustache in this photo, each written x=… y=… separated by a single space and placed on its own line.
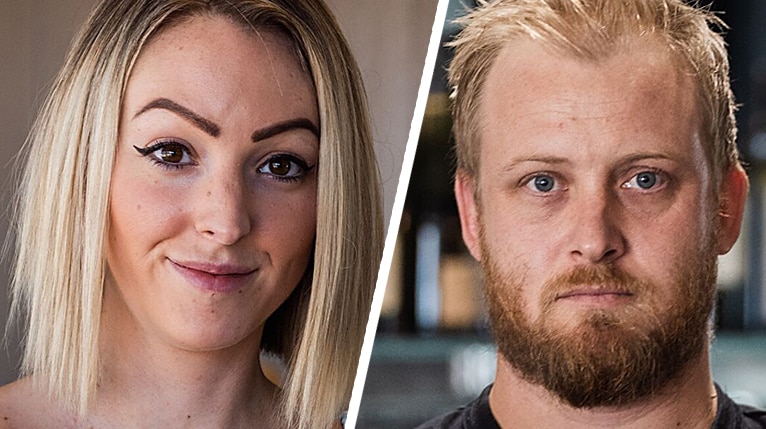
x=593 y=278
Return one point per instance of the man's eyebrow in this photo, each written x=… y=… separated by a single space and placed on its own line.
x=281 y=127
x=163 y=103
x=541 y=159
x=557 y=160
x=647 y=155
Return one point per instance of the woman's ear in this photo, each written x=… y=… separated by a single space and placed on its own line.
x=467 y=207
x=731 y=206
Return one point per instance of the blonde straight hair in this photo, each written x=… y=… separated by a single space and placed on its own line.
x=592 y=30
x=62 y=207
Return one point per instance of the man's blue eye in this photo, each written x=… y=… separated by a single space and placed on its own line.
x=543 y=183
x=646 y=180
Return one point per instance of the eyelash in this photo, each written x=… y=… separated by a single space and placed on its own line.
x=300 y=163
x=154 y=147
x=305 y=168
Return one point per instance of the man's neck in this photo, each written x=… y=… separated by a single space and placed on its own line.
x=689 y=402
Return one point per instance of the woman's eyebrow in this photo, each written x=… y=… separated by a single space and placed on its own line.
x=281 y=127
x=214 y=130
x=198 y=121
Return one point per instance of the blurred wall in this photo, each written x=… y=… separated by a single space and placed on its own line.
x=34 y=36
x=389 y=39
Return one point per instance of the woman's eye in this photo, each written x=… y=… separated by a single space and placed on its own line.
x=644 y=180
x=542 y=183
x=171 y=154
x=285 y=167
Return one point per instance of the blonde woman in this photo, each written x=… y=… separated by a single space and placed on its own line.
x=199 y=189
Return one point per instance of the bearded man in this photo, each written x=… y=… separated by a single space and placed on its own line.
x=597 y=182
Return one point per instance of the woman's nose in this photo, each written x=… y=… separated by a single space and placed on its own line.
x=222 y=210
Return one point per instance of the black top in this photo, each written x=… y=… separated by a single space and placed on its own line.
x=477 y=415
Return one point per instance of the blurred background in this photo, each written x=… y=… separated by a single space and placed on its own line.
x=389 y=40
x=433 y=350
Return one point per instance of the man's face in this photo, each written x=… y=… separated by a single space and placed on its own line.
x=595 y=219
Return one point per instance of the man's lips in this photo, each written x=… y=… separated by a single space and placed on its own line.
x=590 y=292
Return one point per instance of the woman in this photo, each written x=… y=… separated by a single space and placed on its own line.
x=200 y=186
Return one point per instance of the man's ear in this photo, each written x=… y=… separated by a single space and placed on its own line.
x=467 y=207
x=731 y=207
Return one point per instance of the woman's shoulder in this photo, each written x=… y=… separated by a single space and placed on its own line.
x=22 y=405
x=16 y=399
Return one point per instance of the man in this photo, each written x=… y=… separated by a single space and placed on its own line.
x=597 y=182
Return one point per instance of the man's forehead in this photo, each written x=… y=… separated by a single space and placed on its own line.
x=525 y=61
x=529 y=78
x=548 y=101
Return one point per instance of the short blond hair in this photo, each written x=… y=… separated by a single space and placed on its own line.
x=593 y=30
x=61 y=217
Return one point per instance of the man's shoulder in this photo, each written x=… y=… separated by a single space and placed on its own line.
x=734 y=416
x=452 y=420
x=475 y=415
x=753 y=418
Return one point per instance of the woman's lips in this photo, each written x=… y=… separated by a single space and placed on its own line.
x=214 y=277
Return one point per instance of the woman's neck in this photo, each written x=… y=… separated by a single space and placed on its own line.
x=147 y=379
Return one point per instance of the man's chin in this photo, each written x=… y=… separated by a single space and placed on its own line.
x=603 y=359
x=573 y=322
x=609 y=345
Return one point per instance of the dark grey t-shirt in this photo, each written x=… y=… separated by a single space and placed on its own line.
x=477 y=415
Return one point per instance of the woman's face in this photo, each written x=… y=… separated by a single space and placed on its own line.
x=213 y=193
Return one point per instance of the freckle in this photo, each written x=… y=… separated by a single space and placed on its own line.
x=208 y=193
x=212 y=311
x=138 y=206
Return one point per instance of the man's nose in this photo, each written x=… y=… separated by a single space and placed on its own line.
x=222 y=210
x=596 y=234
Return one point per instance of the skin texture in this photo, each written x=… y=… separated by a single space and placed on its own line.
x=179 y=344
x=221 y=209
x=564 y=145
